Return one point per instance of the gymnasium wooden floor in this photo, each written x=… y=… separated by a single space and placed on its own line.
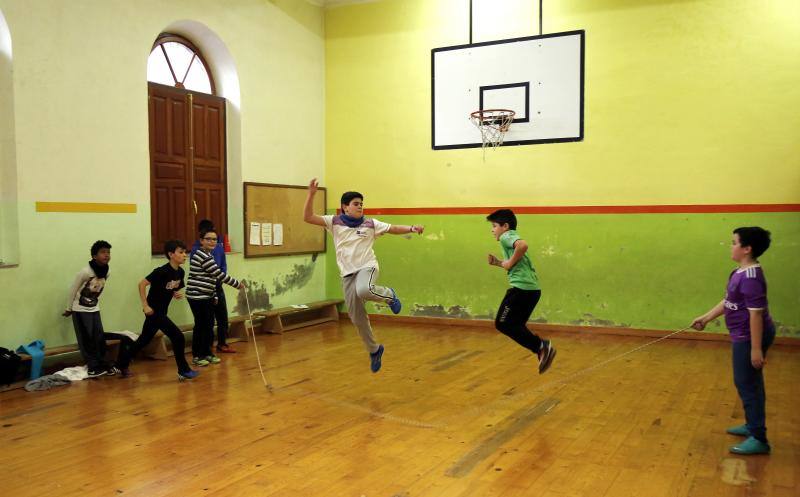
x=454 y=412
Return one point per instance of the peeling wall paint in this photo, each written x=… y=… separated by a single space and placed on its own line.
x=589 y=320
x=298 y=278
x=261 y=298
x=646 y=271
x=436 y=310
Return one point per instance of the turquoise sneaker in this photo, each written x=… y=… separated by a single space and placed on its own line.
x=739 y=431
x=751 y=446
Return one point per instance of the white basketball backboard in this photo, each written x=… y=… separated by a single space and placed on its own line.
x=540 y=78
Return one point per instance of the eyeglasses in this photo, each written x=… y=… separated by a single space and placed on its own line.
x=210 y=239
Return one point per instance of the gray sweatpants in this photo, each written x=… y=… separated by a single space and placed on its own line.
x=91 y=342
x=358 y=287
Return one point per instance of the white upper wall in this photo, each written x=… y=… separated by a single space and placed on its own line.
x=80 y=81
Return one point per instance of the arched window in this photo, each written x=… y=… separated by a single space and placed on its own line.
x=174 y=61
x=187 y=143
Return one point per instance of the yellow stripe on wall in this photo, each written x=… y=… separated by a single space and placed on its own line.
x=94 y=207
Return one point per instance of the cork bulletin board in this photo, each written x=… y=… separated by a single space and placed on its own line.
x=273 y=220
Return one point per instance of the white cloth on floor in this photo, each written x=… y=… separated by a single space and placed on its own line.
x=46 y=382
x=76 y=373
x=133 y=336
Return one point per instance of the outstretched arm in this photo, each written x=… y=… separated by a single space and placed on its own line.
x=308 y=210
x=210 y=267
x=399 y=229
x=700 y=322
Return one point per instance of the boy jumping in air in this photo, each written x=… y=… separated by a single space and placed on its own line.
x=353 y=235
x=524 y=294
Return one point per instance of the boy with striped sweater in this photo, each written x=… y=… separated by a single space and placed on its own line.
x=201 y=289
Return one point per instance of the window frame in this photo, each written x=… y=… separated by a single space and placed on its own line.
x=173 y=38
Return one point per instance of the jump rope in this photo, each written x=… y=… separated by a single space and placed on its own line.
x=419 y=424
x=570 y=377
x=267 y=384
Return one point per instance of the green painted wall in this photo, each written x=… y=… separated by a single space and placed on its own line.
x=654 y=271
x=35 y=292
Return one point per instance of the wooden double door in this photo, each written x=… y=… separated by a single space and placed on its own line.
x=188 y=173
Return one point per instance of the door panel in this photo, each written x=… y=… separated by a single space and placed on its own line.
x=188 y=179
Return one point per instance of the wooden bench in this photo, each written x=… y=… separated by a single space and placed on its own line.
x=238 y=325
x=56 y=365
x=160 y=347
x=271 y=321
x=291 y=318
x=111 y=350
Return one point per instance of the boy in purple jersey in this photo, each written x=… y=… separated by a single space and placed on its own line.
x=752 y=332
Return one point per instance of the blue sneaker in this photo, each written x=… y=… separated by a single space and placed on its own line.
x=395 y=304
x=739 y=431
x=751 y=446
x=188 y=375
x=375 y=359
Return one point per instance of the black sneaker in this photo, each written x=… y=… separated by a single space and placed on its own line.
x=546 y=354
x=94 y=373
x=113 y=370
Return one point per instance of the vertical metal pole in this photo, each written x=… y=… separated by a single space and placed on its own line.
x=470 y=22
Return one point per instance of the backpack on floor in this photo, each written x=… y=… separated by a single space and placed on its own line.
x=9 y=365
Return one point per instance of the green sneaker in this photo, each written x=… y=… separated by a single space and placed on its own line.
x=751 y=446
x=199 y=361
x=213 y=359
x=739 y=431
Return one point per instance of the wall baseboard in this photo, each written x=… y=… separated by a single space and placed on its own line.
x=563 y=328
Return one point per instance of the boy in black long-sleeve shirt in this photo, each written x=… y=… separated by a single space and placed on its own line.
x=165 y=282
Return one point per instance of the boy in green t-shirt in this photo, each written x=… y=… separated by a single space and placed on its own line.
x=524 y=294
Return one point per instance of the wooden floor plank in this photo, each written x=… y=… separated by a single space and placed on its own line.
x=455 y=412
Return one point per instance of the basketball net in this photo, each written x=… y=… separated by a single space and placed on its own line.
x=493 y=124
